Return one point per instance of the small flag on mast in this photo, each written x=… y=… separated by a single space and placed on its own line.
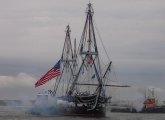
x=90 y=60
x=54 y=72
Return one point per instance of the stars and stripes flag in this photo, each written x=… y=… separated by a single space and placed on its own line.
x=54 y=72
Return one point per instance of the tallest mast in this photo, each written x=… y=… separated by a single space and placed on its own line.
x=89 y=13
x=88 y=52
x=88 y=40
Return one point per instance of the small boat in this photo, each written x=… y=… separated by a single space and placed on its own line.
x=150 y=104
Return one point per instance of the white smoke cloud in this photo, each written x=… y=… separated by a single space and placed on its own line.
x=17 y=87
x=22 y=79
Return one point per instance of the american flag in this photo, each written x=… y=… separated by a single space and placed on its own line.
x=54 y=72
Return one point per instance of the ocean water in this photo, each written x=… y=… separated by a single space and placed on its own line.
x=20 y=113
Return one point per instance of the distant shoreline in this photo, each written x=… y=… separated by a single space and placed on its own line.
x=16 y=102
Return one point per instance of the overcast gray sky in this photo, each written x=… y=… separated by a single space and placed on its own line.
x=32 y=33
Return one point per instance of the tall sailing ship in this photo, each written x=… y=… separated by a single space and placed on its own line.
x=80 y=85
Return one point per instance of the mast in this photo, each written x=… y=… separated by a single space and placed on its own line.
x=88 y=52
x=67 y=53
x=74 y=58
x=67 y=61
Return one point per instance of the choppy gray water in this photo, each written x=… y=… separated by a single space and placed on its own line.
x=20 y=113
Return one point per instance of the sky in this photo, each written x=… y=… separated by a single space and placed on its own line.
x=32 y=33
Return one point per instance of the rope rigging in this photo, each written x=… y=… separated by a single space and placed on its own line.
x=101 y=39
